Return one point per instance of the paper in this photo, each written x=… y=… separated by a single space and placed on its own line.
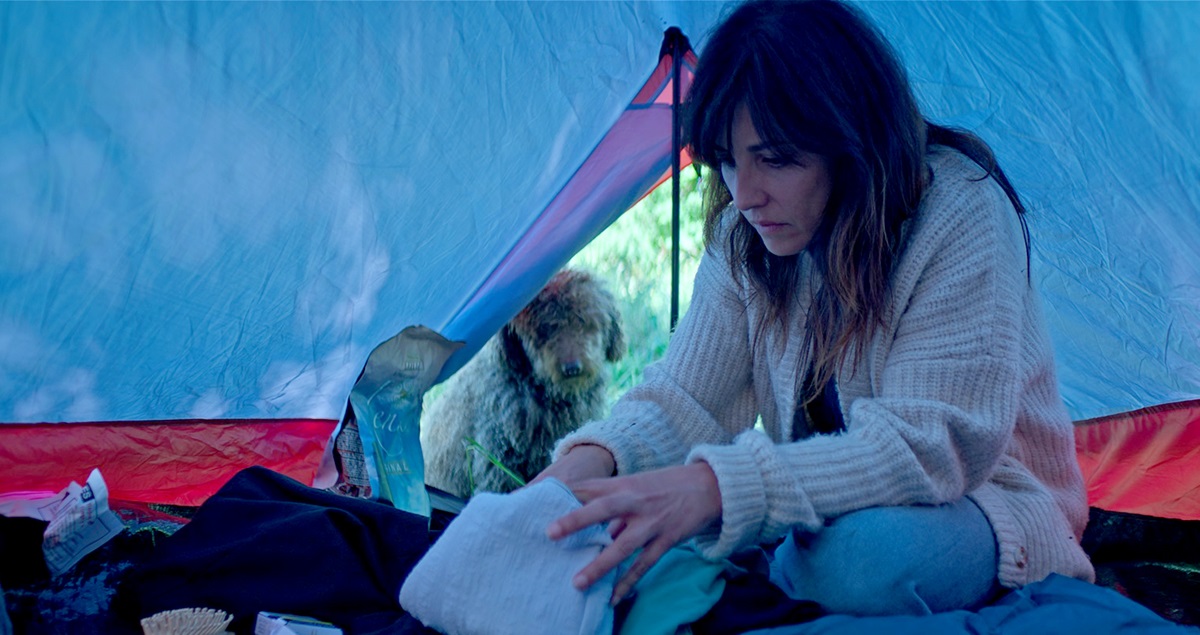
x=80 y=522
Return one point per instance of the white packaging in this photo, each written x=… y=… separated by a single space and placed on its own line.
x=283 y=624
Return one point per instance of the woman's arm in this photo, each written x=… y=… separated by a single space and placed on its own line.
x=700 y=392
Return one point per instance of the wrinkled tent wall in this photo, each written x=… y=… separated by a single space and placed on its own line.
x=216 y=210
x=1091 y=107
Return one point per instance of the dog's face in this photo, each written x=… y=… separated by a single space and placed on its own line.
x=568 y=331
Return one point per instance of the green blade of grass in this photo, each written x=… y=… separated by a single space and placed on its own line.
x=471 y=445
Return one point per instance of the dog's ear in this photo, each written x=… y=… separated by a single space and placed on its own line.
x=614 y=348
x=514 y=353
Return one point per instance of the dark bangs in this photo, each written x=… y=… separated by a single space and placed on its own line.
x=711 y=105
x=789 y=111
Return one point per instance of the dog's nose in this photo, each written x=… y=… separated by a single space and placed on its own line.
x=572 y=368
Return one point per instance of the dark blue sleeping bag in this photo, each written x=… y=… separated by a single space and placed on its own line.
x=1057 y=605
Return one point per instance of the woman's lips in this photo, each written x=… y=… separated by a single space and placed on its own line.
x=764 y=227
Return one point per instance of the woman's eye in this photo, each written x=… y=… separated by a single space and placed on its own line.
x=777 y=162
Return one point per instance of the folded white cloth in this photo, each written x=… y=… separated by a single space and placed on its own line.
x=493 y=571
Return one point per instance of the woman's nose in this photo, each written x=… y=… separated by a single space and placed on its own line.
x=745 y=189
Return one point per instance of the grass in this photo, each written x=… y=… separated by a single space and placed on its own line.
x=471 y=446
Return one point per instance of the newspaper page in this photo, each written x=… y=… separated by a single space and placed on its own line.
x=79 y=518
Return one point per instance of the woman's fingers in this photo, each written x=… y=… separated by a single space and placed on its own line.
x=588 y=490
x=650 y=512
x=649 y=556
x=632 y=539
x=593 y=512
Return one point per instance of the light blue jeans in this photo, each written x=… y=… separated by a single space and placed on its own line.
x=912 y=560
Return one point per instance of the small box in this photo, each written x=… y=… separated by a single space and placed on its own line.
x=271 y=623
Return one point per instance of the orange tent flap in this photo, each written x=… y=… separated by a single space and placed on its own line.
x=170 y=462
x=1143 y=462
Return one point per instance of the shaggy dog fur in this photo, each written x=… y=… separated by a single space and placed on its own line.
x=539 y=378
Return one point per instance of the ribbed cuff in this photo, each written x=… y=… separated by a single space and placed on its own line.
x=743 y=493
x=628 y=455
x=1013 y=566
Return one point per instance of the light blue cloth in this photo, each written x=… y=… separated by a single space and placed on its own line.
x=679 y=589
x=912 y=560
x=493 y=571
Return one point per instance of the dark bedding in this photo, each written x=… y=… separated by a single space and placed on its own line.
x=1148 y=573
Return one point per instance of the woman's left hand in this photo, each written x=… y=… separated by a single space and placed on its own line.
x=652 y=511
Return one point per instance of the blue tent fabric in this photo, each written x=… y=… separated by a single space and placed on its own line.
x=1092 y=111
x=216 y=210
x=1055 y=606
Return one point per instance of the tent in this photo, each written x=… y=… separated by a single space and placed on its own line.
x=213 y=212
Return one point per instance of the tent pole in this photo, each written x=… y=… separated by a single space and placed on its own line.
x=674 y=35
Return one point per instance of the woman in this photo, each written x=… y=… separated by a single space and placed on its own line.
x=865 y=292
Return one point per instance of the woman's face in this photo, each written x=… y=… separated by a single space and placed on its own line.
x=783 y=197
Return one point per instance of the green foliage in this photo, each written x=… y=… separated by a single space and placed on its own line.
x=633 y=256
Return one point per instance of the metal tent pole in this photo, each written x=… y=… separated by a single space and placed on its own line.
x=675 y=37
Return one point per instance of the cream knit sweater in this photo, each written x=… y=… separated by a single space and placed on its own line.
x=957 y=396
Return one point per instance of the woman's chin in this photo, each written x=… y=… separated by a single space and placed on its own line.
x=783 y=248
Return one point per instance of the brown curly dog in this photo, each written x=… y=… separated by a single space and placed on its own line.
x=539 y=378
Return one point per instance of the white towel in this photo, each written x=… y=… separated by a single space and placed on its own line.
x=493 y=571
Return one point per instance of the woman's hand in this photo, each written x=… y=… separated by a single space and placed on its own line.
x=652 y=511
x=580 y=463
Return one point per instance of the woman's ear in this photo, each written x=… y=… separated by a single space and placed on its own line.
x=514 y=353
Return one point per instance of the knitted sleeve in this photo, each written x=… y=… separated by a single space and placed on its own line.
x=699 y=392
x=944 y=385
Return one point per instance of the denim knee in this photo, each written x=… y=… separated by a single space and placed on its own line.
x=869 y=591
x=892 y=561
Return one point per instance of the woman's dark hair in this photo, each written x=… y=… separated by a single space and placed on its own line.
x=816 y=76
